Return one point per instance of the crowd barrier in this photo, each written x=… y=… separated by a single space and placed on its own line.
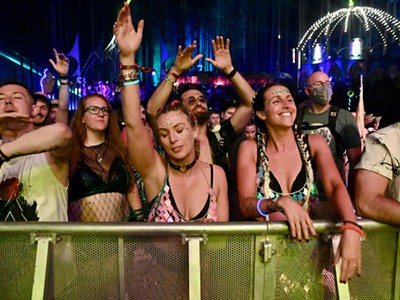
x=237 y=260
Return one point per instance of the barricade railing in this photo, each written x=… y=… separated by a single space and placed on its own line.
x=236 y=260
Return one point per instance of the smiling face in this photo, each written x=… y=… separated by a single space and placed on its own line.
x=195 y=102
x=176 y=136
x=40 y=113
x=279 y=107
x=96 y=122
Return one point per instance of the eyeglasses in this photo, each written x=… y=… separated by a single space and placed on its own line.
x=320 y=83
x=94 y=110
x=192 y=100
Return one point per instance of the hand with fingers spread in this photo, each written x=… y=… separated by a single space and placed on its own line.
x=349 y=252
x=184 y=59
x=299 y=220
x=128 y=39
x=222 y=56
x=61 y=65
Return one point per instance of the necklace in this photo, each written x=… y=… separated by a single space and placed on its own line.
x=183 y=168
x=99 y=159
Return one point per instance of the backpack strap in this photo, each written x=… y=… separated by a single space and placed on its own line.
x=300 y=116
x=333 y=113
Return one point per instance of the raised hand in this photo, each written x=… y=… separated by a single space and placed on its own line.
x=61 y=65
x=222 y=56
x=184 y=60
x=128 y=39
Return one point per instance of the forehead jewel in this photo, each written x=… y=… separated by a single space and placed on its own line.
x=280 y=90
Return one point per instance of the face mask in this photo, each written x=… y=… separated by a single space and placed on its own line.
x=322 y=95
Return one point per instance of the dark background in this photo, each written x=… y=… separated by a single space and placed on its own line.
x=30 y=29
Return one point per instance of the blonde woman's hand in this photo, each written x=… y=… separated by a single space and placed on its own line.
x=128 y=39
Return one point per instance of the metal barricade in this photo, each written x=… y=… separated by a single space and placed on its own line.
x=237 y=260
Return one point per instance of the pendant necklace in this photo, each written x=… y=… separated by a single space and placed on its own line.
x=99 y=159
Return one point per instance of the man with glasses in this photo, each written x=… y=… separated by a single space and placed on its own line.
x=195 y=100
x=337 y=126
x=34 y=164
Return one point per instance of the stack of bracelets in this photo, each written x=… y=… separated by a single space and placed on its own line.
x=128 y=74
x=63 y=79
x=171 y=79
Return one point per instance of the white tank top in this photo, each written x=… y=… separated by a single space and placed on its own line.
x=29 y=191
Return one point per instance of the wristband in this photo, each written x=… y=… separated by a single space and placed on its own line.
x=130 y=82
x=63 y=76
x=231 y=74
x=3 y=157
x=173 y=74
x=351 y=222
x=128 y=67
x=259 y=207
x=355 y=228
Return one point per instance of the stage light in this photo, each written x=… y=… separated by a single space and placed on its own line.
x=356 y=49
x=317 y=54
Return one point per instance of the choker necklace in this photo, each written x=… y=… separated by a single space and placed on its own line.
x=183 y=168
x=99 y=159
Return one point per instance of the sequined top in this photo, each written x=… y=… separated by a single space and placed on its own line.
x=164 y=208
x=303 y=189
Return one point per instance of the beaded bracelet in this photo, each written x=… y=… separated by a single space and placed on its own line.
x=170 y=81
x=231 y=74
x=128 y=76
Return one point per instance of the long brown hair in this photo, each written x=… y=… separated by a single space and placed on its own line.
x=113 y=139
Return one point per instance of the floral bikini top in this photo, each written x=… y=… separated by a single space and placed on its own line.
x=303 y=189
x=164 y=208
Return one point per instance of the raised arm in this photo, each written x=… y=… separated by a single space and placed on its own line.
x=140 y=147
x=61 y=65
x=222 y=60
x=183 y=62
